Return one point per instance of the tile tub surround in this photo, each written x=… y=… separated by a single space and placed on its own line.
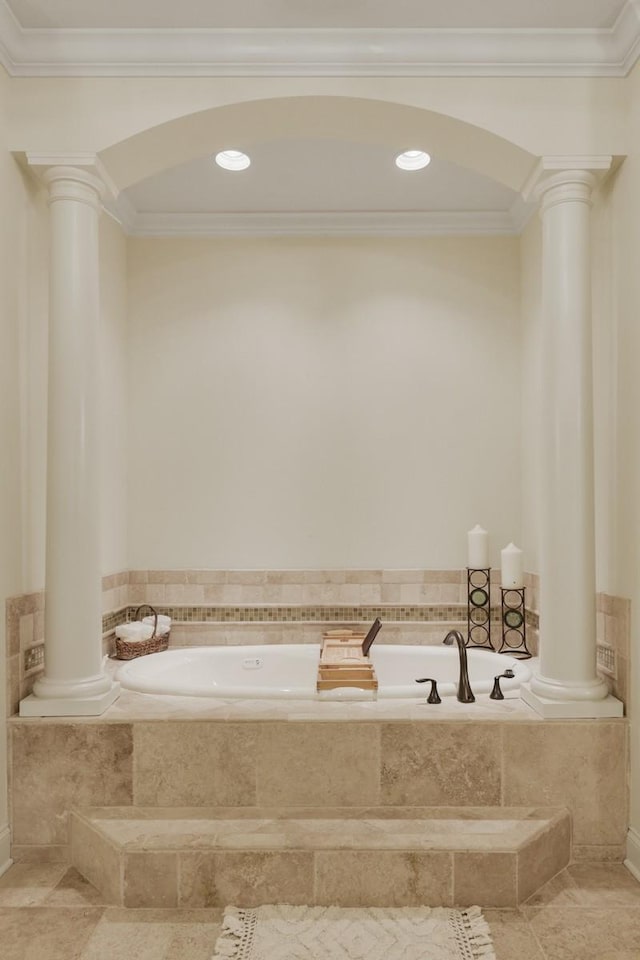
x=252 y=762
x=241 y=606
x=284 y=606
x=152 y=857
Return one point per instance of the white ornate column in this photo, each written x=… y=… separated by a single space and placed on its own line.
x=566 y=683
x=74 y=682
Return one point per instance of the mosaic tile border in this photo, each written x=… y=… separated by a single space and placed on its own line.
x=315 y=613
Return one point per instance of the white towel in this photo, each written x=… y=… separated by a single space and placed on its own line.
x=134 y=632
x=164 y=624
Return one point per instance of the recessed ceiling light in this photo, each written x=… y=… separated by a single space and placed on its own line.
x=413 y=160
x=232 y=160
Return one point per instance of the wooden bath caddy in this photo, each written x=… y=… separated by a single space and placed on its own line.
x=343 y=664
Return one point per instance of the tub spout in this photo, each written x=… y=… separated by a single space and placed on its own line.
x=465 y=693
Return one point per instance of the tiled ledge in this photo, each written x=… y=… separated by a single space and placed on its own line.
x=147 y=857
x=300 y=763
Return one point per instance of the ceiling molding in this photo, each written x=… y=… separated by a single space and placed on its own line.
x=30 y=52
x=364 y=224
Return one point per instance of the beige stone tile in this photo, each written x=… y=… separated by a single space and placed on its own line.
x=573 y=933
x=138 y=593
x=13 y=684
x=285 y=593
x=370 y=593
x=245 y=878
x=193 y=594
x=166 y=576
x=40 y=853
x=251 y=578
x=487 y=879
x=128 y=941
x=441 y=763
x=154 y=593
x=512 y=936
x=580 y=764
x=26 y=630
x=307 y=763
x=390 y=593
x=560 y=891
x=60 y=765
x=165 y=915
x=252 y=594
x=74 y=891
x=544 y=857
x=150 y=879
x=193 y=941
x=25 y=885
x=96 y=859
x=621 y=685
x=602 y=853
x=403 y=576
x=175 y=593
x=46 y=934
x=605 y=884
x=206 y=576
x=380 y=879
x=214 y=764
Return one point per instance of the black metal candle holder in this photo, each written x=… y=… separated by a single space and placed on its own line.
x=514 y=626
x=479 y=608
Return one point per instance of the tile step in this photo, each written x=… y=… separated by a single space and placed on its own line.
x=159 y=857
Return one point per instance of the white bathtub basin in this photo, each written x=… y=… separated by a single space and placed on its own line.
x=289 y=671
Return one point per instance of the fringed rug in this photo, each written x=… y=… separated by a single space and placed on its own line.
x=354 y=933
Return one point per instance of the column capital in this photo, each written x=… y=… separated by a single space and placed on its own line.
x=569 y=177
x=78 y=176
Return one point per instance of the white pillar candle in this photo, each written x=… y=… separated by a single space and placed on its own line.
x=478 y=548
x=512 y=567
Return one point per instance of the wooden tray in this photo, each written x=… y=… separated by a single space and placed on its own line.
x=343 y=664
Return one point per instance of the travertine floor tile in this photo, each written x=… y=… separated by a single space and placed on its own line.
x=588 y=912
x=561 y=891
x=512 y=936
x=29 y=884
x=605 y=884
x=46 y=933
x=154 y=935
x=576 y=933
x=74 y=891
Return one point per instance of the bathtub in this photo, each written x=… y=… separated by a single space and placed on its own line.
x=289 y=671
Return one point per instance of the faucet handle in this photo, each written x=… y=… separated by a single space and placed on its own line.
x=434 y=696
x=496 y=693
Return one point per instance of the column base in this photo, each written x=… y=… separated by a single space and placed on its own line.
x=572 y=709
x=33 y=706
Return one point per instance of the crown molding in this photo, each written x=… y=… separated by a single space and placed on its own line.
x=364 y=224
x=399 y=52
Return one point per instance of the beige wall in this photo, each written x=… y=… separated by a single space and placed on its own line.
x=15 y=218
x=530 y=306
x=113 y=389
x=617 y=359
x=322 y=403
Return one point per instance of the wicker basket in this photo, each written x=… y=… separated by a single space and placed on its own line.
x=130 y=649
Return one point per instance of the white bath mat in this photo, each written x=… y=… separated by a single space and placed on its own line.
x=353 y=933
